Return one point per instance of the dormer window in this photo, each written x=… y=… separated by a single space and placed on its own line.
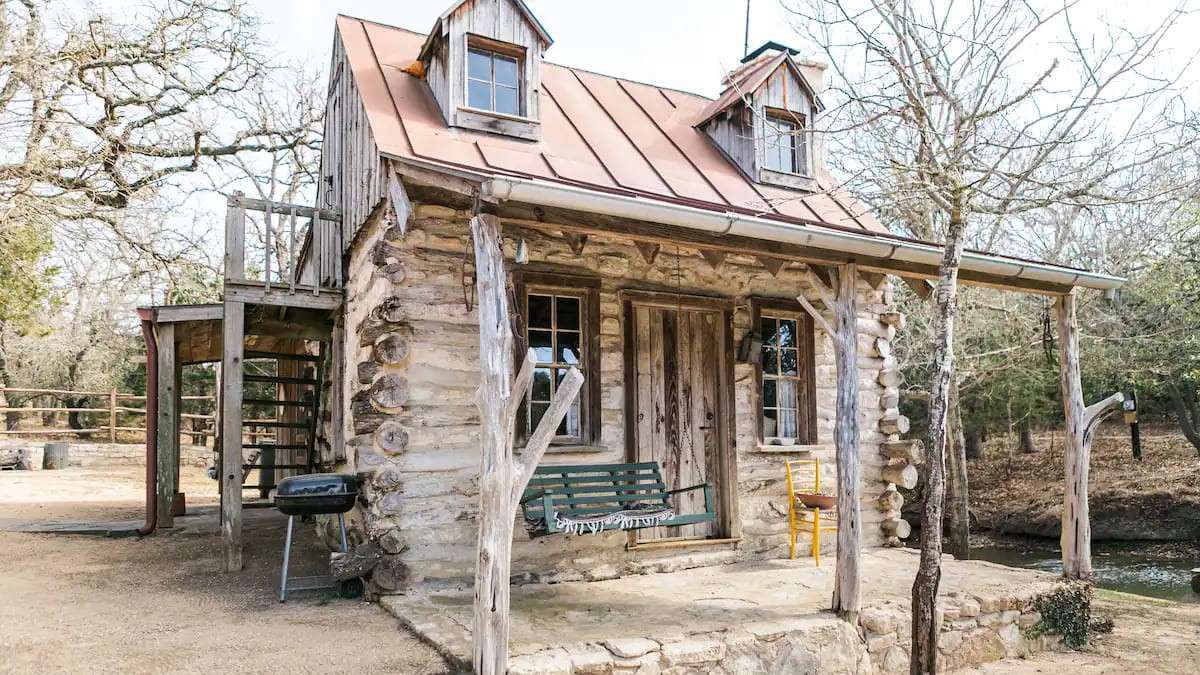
x=785 y=147
x=493 y=81
x=764 y=119
x=482 y=62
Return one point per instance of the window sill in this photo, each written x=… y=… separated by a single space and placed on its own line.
x=575 y=449
x=797 y=448
x=498 y=123
x=681 y=543
x=795 y=181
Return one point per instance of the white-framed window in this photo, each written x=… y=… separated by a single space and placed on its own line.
x=785 y=144
x=786 y=372
x=493 y=80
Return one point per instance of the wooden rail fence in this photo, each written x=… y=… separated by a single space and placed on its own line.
x=116 y=405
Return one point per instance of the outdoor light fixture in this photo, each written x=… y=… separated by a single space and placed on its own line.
x=522 y=252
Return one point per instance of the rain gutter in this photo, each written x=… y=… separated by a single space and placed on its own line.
x=866 y=244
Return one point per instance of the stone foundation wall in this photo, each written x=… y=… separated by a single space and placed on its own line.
x=411 y=421
x=104 y=454
x=975 y=630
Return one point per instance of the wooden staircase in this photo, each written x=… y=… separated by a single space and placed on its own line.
x=284 y=409
x=271 y=400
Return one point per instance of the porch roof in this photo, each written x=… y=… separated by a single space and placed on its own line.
x=198 y=332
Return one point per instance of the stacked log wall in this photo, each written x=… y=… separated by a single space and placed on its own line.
x=413 y=369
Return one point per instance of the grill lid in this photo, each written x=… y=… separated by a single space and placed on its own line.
x=317 y=484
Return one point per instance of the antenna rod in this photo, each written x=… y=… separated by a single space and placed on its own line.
x=746 y=46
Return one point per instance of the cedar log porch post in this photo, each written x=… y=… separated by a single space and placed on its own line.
x=502 y=478
x=1081 y=423
x=844 y=333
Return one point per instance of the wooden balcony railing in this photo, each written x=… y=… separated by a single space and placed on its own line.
x=299 y=246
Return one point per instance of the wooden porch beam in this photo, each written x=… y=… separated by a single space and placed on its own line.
x=233 y=344
x=168 y=422
x=1076 y=534
x=842 y=300
x=502 y=476
x=846 y=592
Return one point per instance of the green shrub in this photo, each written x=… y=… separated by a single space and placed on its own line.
x=1066 y=611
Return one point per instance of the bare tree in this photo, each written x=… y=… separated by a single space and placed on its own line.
x=952 y=134
x=99 y=112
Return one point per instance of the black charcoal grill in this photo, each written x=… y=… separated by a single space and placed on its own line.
x=310 y=495
x=316 y=493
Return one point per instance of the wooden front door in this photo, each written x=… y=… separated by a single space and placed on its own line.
x=677 y=360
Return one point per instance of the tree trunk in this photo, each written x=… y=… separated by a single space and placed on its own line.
x=846 y=596
x=958 y=515
x=494 y=545
x=502 y=478
x=929 y=571
x=974 y=443
x=1187 y=413
x=1025 y=430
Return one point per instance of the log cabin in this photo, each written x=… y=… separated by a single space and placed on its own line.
x=490 y=226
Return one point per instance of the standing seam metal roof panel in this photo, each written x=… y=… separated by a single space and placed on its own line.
x=597 y=132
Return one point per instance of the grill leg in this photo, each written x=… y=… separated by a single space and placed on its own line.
x=342 y=526
x=287 y=552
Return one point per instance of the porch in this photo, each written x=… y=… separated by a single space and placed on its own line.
x=764 y=616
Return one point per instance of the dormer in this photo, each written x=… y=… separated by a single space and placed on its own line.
x=764 y=119
x=482 y=61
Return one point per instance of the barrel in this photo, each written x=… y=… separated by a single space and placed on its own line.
x=54 y=455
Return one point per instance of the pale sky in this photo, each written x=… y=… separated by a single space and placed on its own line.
x=684 y=44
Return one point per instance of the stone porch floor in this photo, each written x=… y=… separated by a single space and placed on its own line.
x=766 y=616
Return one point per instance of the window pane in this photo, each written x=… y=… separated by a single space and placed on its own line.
x=539 y=311
x=568 y=313
x=788 y=358
x=541 y=385
x=506 y=101
x=770 y=424
x=766 y=326
x=787 y=424
x=479 y=95
x=571 y=422
x=787 y=394
x=506 y=71
x=770 y=362
x=479 y=65
x=536 y=411
x=539 y=341
x=769 y=399
x=787 y=333
x=568 y=348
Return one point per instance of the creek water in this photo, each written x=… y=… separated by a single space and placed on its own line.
x=1154 y=569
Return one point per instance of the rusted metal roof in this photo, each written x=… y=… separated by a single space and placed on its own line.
x=597 y=132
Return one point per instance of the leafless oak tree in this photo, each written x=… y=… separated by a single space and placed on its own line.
x=962 y=119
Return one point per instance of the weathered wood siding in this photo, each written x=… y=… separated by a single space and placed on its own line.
x=731 y=132
x=741 y=135
x=352 y=176
x=413 y=427
x=498 y=20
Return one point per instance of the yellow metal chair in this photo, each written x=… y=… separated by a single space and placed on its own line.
x=804 y=485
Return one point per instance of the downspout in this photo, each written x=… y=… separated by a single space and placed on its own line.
x=151 y=425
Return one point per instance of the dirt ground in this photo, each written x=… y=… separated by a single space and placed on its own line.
x=74 y=603
x=1156 y=498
